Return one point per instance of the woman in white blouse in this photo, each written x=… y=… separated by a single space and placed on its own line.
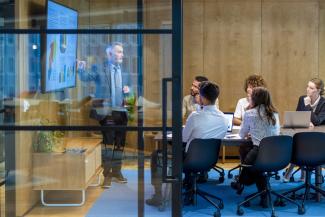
x=262 y=120
x=242 y=104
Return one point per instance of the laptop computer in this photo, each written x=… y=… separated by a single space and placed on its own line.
x=296 y=119
x=230 y=118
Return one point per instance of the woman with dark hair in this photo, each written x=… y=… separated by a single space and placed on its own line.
x=314 y=102
x=262 y=120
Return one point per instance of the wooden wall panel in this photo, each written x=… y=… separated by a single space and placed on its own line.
x=289 y=49
x=104 y=13
x=283 y=40
x=151 y=76
x=321 y=45
x=157 y=13
x=192 y=42
x=232 y=47
x=157 y=62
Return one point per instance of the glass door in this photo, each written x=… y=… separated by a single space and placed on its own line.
x=86 y=107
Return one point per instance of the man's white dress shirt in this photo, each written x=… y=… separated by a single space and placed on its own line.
x=208 y=123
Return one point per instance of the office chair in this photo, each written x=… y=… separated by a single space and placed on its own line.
x=230 y=175
x=221 y=172
x=202 y=155
x=274 y=154
x=308 y=153
x=239 y=167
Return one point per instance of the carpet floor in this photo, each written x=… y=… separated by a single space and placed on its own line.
x=121 y=200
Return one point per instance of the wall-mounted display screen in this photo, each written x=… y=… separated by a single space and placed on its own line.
x=61 y=49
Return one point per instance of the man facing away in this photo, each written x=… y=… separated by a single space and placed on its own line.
x=108 y=108
x=191 y=103
x=207 y=123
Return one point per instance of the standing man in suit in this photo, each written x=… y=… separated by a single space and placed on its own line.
x=108 y=108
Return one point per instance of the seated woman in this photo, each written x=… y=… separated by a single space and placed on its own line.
x=315 y=103
x=262 y=120
x=242 y=104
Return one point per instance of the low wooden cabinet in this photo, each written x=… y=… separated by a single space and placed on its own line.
x=68 y=171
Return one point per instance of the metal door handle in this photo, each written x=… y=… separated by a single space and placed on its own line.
x=165 y=177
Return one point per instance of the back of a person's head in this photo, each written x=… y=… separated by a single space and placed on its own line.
x=261 y=96
x=254 y=81
x=209 y=90
x=201 y=78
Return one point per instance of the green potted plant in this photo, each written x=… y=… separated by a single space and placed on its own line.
x=48 y=141
x=130 y=103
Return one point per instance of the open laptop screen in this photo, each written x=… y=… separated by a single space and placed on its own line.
x=296 y=119
x=230 y=117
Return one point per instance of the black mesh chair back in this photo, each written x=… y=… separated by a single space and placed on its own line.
x=274 y=153
x=308 y=153
x=309 y=149
x=202 y=155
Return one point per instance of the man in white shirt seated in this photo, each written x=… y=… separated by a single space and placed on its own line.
x=207 y=123
x=192 y=103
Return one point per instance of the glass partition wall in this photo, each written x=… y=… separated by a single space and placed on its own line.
x=64 y=66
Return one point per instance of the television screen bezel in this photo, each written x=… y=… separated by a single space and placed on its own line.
x=44 y=51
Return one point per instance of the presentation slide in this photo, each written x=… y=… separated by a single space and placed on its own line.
x=61 y=49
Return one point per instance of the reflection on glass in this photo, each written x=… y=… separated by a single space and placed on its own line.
x=7 y=65
x=93 y=89
x=95 y=14
x=61 y=49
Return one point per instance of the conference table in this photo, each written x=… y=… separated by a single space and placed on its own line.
x=234 y=140
x=231 y=139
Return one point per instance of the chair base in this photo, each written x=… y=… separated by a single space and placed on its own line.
x=221 y=172
x=307 y=192
x=229 y=175
x=268 y=192
x=307 y=186
x=206 y=196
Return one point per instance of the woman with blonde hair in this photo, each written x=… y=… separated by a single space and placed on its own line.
x=314 y=102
